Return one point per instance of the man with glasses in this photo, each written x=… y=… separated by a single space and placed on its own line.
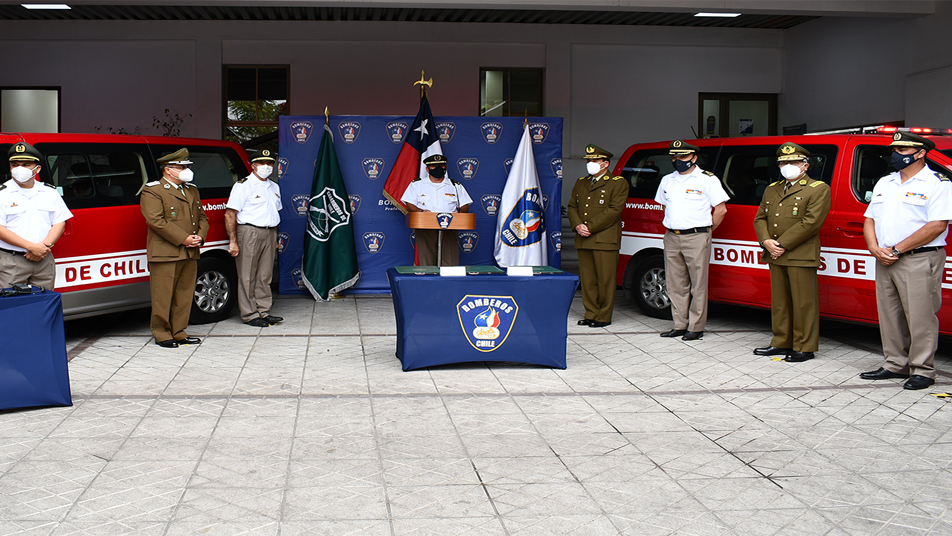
x=694 y=205
x=177 y=229
x=438 y=193
x=32 y=218
x=788 y=224
x=906 y=224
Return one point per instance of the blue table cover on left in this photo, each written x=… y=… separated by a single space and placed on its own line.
x=33 y=368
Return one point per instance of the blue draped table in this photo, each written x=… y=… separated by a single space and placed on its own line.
x=33 y=369
x=486 y=317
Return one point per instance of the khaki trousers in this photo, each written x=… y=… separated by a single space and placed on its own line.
x=597 y=269
x=794 y=315
x=687 y=258
x=17 y=269
x=426 y=240
x=908 y=296
x=255 y=264
x=173 y=290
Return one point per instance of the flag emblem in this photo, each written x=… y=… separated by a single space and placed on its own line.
x=467 y=167
x=349 y=131
x=486 y=321
x=491 y=132
x=396 y=131
x=301 y=131
x=372 y=167
x=445 y=131
x=328 y=212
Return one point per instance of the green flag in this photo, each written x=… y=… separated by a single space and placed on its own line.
x=329 y=264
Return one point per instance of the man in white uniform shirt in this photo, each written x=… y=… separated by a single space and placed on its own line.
x=688 y=196
x=251 y=220
x=437 y=194
x=906 y=224
x=32 y=218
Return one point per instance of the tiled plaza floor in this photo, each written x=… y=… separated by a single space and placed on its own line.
x=311 y=427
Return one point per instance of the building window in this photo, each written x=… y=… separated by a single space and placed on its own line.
x=510 y=92
x=731 y=115
x=30 y=109
x=254 y=97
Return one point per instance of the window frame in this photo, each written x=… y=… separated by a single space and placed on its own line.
x=507 y=111
x=59 y=101
x=226 y=122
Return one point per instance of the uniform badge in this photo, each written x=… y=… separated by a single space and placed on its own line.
x=167 y=186
x=468 y=241
x=467 y=167
x=802 y=182
x=676 y=144
x=486 y=321
x=787 y=149
x=897 y=136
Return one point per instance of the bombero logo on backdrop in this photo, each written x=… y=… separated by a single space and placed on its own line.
x=539 y=132
x=557 y=167
x=373 y=167
x=445 y=131
x=486 y=320
x=373 y=241
x=354 y=203
x=301 y=131
x=468 y=240
x=507 y=163
x=349 y=131
x=283 y=239
x=299 y=202
x=467 y=167
x=490 y=203
x=397 y=130
x=298 y=277
x=283 y=165
x=556 y=238
x=491 y=132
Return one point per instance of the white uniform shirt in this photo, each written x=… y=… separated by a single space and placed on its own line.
x=689 y=198
x=443 y=196
x=901 y=209
x=30 y=212
x=256 y=201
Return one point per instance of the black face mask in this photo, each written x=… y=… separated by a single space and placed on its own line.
x=682 y=165
x=902 y=161
x=439 y=172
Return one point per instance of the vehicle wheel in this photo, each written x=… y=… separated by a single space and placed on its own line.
x=649 y=289
x=216 y=286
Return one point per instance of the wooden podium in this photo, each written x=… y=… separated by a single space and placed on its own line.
x=431 y=220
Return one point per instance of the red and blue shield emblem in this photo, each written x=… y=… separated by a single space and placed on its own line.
x=486 y=321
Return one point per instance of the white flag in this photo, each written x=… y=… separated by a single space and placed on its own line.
x=520 y=224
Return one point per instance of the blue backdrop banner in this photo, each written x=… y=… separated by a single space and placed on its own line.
x=479 y=151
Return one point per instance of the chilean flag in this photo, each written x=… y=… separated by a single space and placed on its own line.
x=422 y=141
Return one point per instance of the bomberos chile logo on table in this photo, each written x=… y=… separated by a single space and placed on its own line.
x=486 y=320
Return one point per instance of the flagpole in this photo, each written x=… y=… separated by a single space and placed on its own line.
x=423 y=84
x=327 y=118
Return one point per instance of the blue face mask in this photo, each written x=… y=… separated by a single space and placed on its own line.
x=682 y=165
x=902 y=161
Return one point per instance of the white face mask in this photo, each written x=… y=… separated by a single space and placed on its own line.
x=21 y=174
x=264 y=171
x=790 y=171
x=186 y=175
x=593 y=168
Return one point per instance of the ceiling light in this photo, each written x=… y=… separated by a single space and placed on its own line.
x=717 y=14
x=46 y=6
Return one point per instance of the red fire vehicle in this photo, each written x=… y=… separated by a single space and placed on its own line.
x=101 y=264
x=850 y=163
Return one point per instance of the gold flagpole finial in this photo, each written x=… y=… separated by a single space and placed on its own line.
x=526 y=121
x=327 y=117
x=423 y=84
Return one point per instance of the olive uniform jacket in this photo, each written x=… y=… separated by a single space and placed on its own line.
x=793 y=219
x=172 y=214
x=599 y=207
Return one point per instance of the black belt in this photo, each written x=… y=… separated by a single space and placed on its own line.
x=256 y=226
x=921 y=250
x=12 y=252
x=690 y=231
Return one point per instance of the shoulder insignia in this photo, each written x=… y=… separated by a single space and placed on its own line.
x=153 y=183
x=2 y=186
x=48 y=185
x=617 y=178
x=242 y=180
x=187 y=185
x=584 y=178
x=708 y=173
x=416 y=180
x=775 y=183
x=815 y=184
x=942 y=176
x=456 y=182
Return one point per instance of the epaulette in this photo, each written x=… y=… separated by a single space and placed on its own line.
x=2 y=186
x=775 y=183
x=153 y=183
x=814 y=184
x=242 y=180
x=456 y=182
x=942 y=176
x=708 y=173
x=188 y=185
x=48 y=185
x=416 y=179
x=617 y=178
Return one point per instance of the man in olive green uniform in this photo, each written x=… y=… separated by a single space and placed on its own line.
x=594 y=211
x=177 y=229
x=788 y=227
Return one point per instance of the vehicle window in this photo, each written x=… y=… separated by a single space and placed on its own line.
x=216 y=168
x=872 y=163
x=747 y=170
x=645 y=169
x=96 y=175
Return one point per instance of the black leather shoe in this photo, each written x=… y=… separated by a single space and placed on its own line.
x=190 y=340
x=772 y=350
x=916 y=382
x=171 y=343
x=794 y=356
x=273 y=319
x=258 y=323
x=692 y=335
x=881 y=374
x=597 y=324
x=585 y=322
x=674 y=333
